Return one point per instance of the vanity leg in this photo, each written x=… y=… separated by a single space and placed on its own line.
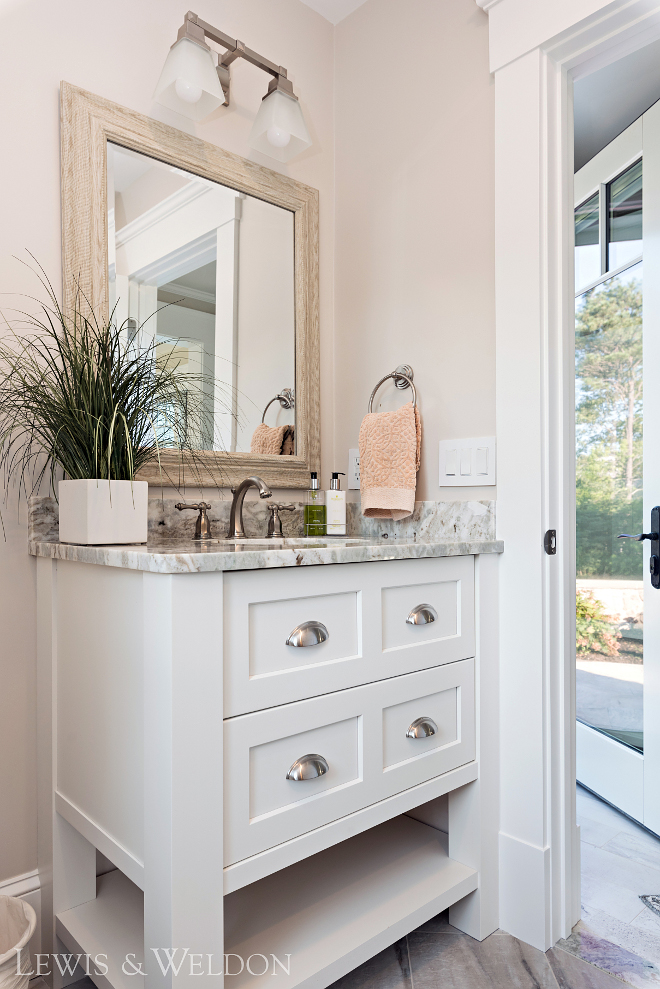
x=66 y=860
x=183 y=891
x=474 y=808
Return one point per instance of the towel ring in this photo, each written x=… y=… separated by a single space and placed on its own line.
x=403 y=378
x=286 y=400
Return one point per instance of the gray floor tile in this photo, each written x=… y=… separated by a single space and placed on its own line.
x=610 y=957
x=573 y=973
x=390 y=969
x=457 y=961
x=642 y=943
x=439 y=925
x=622 y=904
x=642 y=847
x=608 y=866
x=596 y=833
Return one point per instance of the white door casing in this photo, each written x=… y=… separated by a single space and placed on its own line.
x=536 y=49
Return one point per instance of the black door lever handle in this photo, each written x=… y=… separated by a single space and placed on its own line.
x=654 y=537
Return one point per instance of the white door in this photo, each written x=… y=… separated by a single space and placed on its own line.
x=617 y=349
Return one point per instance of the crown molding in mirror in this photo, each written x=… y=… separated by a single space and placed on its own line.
x=88 y=122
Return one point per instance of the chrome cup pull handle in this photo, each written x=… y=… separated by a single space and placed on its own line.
x=422 y=728
x=308 y=634
x=308 y=767
x=423 y=614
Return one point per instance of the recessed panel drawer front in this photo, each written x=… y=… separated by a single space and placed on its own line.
x=363 y=749
x=427 y=612
x=262 y=608
x=364 y=609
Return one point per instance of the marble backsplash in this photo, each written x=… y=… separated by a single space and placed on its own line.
x=431 y=521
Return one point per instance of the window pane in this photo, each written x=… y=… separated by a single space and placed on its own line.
x=610 y=588
x=625 y=217
x=587 y=249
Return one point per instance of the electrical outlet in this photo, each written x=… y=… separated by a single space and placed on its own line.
x=353 y=478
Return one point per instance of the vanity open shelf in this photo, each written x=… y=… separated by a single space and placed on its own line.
x=320 y=917
x=340 y=907
x=109 y=927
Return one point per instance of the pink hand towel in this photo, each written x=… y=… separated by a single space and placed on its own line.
x=268 y=439
x=390 y=445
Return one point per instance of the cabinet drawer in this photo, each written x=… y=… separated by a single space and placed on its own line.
x=361 y=734
x=364 y=609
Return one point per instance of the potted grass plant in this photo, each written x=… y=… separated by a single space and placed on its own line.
x=82 y=399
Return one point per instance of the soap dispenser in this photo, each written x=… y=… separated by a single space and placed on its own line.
x=314 y=513
x=336 y=506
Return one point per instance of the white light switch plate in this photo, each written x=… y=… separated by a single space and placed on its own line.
x=467 y=462
x=353 y=479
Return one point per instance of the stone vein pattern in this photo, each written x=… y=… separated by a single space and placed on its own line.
x=430 y=520
x=171 y=549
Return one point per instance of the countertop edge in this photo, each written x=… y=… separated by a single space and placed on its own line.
x=193 y=560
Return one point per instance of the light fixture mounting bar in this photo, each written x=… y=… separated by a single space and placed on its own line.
x=196 y=29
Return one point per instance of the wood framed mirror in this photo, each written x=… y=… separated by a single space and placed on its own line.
x=209 y=249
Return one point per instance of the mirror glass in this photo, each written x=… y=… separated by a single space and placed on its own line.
x=207 y=274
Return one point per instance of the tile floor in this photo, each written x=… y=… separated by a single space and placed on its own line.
x=616 y=943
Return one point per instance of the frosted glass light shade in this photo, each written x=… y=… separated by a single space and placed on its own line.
x=189 y=83
x=280 y=115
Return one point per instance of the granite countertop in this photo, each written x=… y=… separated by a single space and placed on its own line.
x=434 y=529
x=189 y=557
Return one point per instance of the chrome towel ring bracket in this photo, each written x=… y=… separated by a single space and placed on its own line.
x=403 y=378
x=286 y=398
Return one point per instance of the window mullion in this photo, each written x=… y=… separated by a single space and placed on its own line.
x=603 y=228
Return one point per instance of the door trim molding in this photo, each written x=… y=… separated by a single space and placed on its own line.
x=536 y=50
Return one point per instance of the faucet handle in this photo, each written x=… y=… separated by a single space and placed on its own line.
x=203 y=524
x=274 y=520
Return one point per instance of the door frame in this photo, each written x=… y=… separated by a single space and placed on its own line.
x=536 y=50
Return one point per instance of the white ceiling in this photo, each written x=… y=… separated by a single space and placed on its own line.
x=334 y=10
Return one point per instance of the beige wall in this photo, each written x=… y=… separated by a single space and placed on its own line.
x=414 y=236
x=413 y=252
x=117 y=50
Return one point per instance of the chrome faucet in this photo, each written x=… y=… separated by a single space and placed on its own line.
x=236 y=530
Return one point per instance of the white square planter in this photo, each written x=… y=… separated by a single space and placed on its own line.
x=98 y=512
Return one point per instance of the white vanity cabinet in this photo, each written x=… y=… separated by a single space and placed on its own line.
x=172 y=711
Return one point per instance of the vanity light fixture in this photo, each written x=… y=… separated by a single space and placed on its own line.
x=193 y=85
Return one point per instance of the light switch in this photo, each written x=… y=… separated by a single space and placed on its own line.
x=467 y=462
x=481 y=460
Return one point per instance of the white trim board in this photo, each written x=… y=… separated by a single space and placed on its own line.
x=20 y=885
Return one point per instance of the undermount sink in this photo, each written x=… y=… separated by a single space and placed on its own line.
x=286 y=543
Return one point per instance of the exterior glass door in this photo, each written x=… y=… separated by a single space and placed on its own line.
x=609 y=414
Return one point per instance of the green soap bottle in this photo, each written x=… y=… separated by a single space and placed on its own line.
x=314 y=515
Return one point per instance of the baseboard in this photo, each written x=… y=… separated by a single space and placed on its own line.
x=524 y=879
x=20 y=885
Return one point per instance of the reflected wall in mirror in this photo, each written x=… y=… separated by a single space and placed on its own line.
x=207 y=274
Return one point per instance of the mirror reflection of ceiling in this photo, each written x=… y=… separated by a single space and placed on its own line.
x=609 y=100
